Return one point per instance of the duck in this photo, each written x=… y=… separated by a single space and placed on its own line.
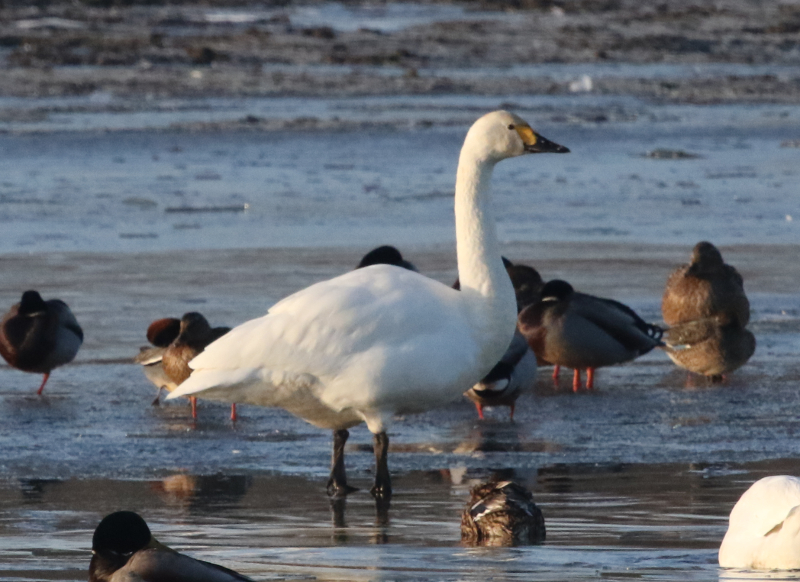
x=710 y=346
x=123 y=548
x=513 y=374
x=383 y=341
x=194 y=335
x=160 y=334
x=703 y=288
x=501 y=514
x=516 y=370
x=38 y=336
x=385 y=255
x=584 y=332
x=764 y=527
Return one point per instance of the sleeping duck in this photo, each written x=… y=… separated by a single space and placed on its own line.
x=160 y=334
x=123 y=549
x=584 y=332
x=501 y=514
x=38 y=336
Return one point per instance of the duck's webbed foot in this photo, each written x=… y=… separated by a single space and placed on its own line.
x=337 y=484
x=382 y=489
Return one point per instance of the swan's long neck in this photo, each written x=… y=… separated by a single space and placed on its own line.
x=484 y=280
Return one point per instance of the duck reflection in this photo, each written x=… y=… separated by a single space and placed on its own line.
x=198 y=493
x=490 y=437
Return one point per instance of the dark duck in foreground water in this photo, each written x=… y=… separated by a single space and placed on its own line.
x=38 y=336
x=379 y=342
x=194 y=336
x=501 y=514
x=124 y=550
x=584 y=332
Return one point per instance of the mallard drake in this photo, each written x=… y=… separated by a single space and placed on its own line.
x=582 y=331
x=123 y=549
x=515 y=372
x=38 y=336
x=160 y=334
x=195 y=334
x=704 y=288
x=385 y=255
x=501 y=514
x=374 y=343
x=764 y=527
x=711 y=346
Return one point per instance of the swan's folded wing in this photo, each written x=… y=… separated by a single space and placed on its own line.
x=311 y=337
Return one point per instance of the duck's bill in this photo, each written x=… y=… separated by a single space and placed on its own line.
x=542 y=145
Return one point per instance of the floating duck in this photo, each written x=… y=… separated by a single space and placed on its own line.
x=764 y=527
x=501 y=514
x=195 y=334
x=377 y=342
x=38 y=336
x=160 y=334
x=704 y=288
x=711 y=346
x=124 y=549
x=584 y=332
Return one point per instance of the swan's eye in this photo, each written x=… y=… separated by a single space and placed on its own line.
x=511 y=126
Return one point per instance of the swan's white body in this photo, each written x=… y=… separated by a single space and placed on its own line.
x=764 y=527
x=382 y=340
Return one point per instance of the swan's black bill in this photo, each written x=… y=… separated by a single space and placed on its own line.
x=544 y=146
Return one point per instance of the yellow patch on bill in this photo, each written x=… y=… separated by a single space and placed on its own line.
x=527 y=134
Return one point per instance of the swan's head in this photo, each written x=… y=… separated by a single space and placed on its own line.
x=499 y=135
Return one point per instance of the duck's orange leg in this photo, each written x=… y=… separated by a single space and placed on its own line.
x=46 y=378
x=589 y=378
x=233 y=412
x=511 y=414
x=193 y=400
x=479 y=408
x=556 y=370
x=576 y=380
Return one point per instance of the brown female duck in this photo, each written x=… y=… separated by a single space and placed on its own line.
x=160 y=334
x=704 y=288
x=38 y=336
x=501 y=514
x=195 y=334
x=123 y=549
x=711 y=346
x=582 y=331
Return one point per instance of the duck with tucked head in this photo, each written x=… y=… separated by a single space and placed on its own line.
x=501 y=514
x=124 y=550
x=377 y=342
x=705 y=304
x=584 y=332
x=385 y=255
x=194 y=335
x=764 y=527
x=160 y=334
x=38 y=336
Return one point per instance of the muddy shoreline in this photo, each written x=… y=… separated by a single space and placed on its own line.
x=227 y=50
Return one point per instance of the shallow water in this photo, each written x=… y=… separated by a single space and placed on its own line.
x=131 y=211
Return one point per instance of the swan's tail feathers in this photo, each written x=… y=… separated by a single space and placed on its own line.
x=223 y=385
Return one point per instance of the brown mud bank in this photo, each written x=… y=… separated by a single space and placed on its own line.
x=225 y=49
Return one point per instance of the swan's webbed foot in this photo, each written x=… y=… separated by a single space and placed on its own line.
x=382 y=489
x=337 y=484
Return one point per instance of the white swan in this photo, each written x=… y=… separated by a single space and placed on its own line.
x=381 y=341
x=764 y=527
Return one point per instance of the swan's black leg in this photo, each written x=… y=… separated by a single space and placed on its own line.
x=383 y=483
x=337 y=484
